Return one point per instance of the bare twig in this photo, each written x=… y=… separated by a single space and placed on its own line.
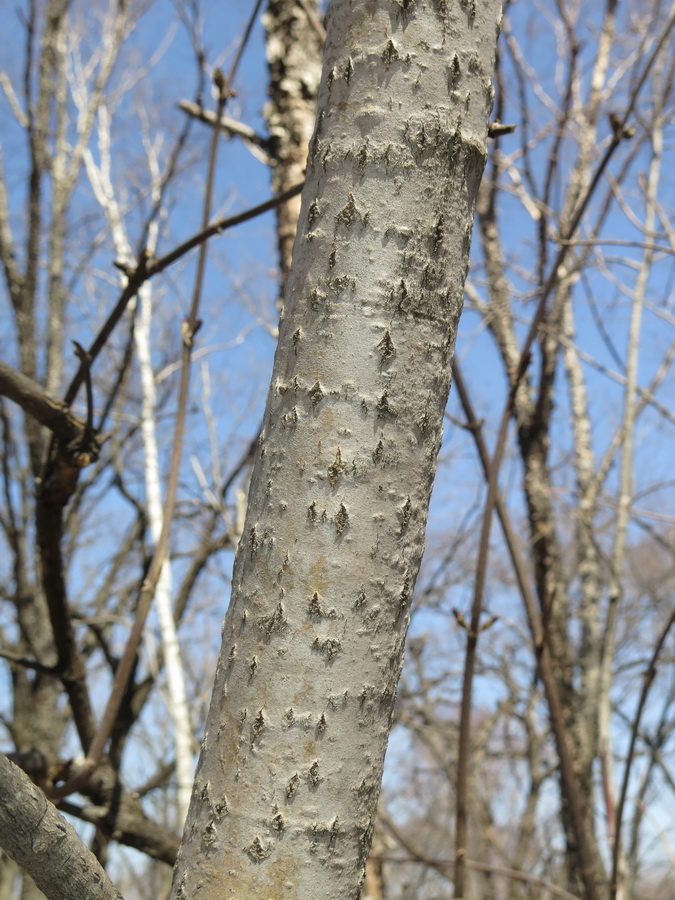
x=147 y=269
x=648 y=680
x=258 y=144
x=497 y=129
x=314 y=20
x=610 y=242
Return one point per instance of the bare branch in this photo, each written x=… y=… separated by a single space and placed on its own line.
x=443 y=866
x=648 y=680
x=257 y=144
x=314 y=20
x=51 y=413
x=130 y=827
x=27 y=663
x=147 y=269
x=39 y=839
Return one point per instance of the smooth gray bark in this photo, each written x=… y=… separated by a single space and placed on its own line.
x=286 y=790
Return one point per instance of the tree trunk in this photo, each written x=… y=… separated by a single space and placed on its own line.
x=294 y=48
x=286 y=790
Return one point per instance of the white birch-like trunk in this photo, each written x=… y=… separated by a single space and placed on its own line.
x=101 y=182
x=286 y=790
x=175 y=679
